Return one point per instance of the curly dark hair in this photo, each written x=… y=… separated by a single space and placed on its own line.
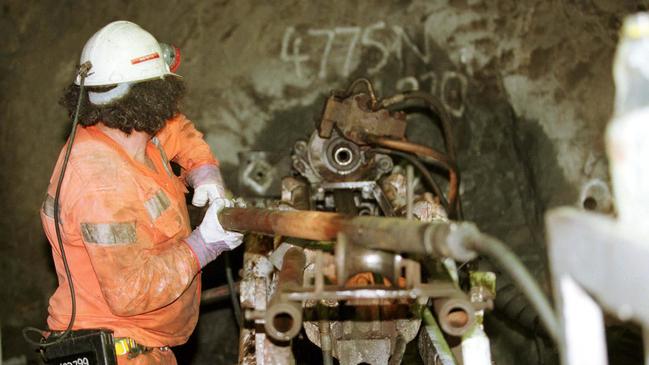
x=146 y=107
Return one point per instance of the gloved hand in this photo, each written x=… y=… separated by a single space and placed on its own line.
x=209 y=239
x=207 y=183
x=207 y=193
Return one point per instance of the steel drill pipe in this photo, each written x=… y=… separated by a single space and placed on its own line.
x=438 y=239
x=310 y=225
x=398 y=235
x=283 y=318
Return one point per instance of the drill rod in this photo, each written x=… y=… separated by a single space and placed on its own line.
x=382 y=233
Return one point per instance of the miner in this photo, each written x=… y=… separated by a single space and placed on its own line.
x=122 y=218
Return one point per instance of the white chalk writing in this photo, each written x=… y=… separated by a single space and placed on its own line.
x=451 y=90
x=370 y=42
x=336 y=51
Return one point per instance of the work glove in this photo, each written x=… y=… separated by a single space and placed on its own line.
x=207 y=193
x=209 y=239
x=207 y=183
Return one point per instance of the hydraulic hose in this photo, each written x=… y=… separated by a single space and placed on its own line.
x=435 y=106
x=507 y=260
x=431 y=156
x=425 y=174
x=513 y=304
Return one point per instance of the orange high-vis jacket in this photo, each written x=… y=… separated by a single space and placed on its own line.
x=123 y=229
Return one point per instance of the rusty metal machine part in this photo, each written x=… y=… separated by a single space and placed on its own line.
x=296 y=193
x=282 y=315
x=355 y=342
x=356 y=119
x=257 y=174
x=456 y=316
x=260 y=172
x=283 y=319
x=337 y=159
x=353 y=260
x=358 y=298
x=352 y=125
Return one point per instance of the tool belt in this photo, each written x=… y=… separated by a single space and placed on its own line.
x=92 y=347
x=86 y=347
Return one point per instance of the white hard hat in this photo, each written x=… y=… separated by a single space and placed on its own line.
x=122 y=52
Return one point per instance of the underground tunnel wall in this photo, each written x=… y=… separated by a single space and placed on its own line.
x=528 y=84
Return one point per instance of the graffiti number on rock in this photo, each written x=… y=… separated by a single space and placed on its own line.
x=322 y=52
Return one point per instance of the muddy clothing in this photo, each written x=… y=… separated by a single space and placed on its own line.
x=123 y=226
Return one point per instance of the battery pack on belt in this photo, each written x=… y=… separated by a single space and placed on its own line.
x=83 y=347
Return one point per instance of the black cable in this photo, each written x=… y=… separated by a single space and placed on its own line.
x=83 y=73
x=233 y=292
x=435 y=106
x=459 y=210
x=413 y=160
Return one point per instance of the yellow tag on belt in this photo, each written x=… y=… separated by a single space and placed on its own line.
x=124 y=345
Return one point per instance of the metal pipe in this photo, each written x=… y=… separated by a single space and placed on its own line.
x=310 y=225
x=425 y=174
x=399 y=349
x=456 y=316
x=398 y=235
x=325 y=342
x=217 y=294
x=435 y=106
x=283 y=318
x=430 y=155
x=409 y=191
x=440 y=158
x=350 y=90
x=381 y=233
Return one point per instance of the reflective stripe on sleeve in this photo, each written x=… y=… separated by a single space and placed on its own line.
x=109 y=233
x=157 y=204
x=48 y=206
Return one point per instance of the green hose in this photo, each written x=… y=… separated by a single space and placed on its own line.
x=507 y=260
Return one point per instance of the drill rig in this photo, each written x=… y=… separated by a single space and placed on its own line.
x=360 y=251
